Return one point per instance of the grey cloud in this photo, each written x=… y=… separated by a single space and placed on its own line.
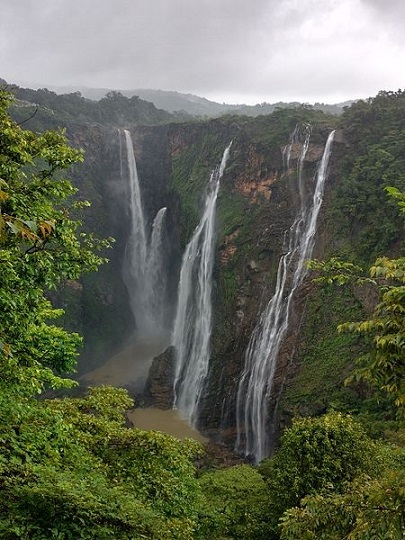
x=391 y=13
x=260 y=50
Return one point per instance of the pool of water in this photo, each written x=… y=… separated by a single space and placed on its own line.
x=130 y=367
x=167 y=421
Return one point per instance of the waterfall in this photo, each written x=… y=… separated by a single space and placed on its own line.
x=192 y=326
x=143 y=265
x=157 y=277
x=261 y=355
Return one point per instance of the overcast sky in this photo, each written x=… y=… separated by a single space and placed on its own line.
x=236 y=51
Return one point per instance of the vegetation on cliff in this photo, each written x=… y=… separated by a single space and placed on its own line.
x=52 y=110
x=360 y=224
x=71 y=468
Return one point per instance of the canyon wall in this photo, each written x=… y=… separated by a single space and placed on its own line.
x=256 y=204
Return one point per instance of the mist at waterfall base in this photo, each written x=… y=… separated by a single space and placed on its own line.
x=261 y=356
x=143 y=271
x=145 y=279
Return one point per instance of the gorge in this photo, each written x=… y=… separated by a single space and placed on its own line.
x=266 y=311
x=206 y=322
x=191 y=332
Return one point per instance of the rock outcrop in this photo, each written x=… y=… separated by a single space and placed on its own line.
x=159 y=387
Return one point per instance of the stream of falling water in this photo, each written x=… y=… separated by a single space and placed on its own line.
x=192 y=326
x=143 y=275
x=261 y=355
x=146 y=283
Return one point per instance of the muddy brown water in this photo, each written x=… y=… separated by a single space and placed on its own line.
x=130 y=368
x=168 y=421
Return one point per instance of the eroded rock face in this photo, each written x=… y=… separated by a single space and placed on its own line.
x=159 y=387
x=249 y=258
x=256 y=180
x=257 y=204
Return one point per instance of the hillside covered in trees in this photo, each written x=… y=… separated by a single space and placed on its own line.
x=72 y=467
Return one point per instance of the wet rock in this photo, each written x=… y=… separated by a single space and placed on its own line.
x=159 y=386
x=253 y=266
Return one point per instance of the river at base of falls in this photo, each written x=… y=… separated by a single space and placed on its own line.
x=168 y=421
x=129 y=368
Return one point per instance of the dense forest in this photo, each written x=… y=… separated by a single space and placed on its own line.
x=72 y=468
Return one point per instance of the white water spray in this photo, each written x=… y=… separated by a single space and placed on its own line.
x=156 y=282
x=261 y=355
x=192 y=327
x=143 y=266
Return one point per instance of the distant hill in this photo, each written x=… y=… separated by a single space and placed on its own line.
x=162 y=99
x=53 y=110
x=268 y=108
x=198 y=106
x=191 y=104
x=176 y=101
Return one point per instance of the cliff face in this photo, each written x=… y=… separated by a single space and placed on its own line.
x=246 y=274
x=257 y=203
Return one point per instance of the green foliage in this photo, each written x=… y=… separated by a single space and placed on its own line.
x=189 y=179
x=374 y=160
x=269 y=108
x=368 y=508
x=236 y=504
x=275 y=129
x=367 y=505
x=233 y=210
x=326 y=356
x=70 y=468
x=41 y=246
x=50 y=110
x=191 y=168
x=316 y=454
x=229 y=285
x=383 y=365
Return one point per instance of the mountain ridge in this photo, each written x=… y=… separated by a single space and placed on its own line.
x=173 y=101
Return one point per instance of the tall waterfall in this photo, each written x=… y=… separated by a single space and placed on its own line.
x=261 y=355
x=156 y=282
x=143 y=266
x=192 y=327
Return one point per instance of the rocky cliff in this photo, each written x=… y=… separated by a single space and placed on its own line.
x=256 y=205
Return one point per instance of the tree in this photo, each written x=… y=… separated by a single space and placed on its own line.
x=368 y=508
x=236 y=499
x=316 y=454
x=383 y=365
x=41 y=246
x=70 y=468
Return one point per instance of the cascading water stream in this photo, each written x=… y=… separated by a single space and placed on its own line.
x=261 y=355
x=143 y=265
x=192 y=327
x=157 y=277
x=135 y=254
